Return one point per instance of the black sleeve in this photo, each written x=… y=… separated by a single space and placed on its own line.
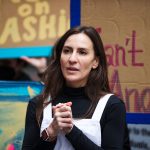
x=112 y=135
x=113 y=131
x=81 y=141
x=32 y=140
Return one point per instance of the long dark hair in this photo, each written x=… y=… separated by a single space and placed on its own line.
x=97 y=84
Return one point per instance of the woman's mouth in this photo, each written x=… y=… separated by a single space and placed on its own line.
x=72 y=69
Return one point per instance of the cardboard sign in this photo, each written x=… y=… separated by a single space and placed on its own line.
x=31 y=27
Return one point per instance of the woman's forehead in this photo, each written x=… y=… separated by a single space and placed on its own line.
x=79 y=39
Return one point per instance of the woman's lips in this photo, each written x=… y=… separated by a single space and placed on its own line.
x=72 y=69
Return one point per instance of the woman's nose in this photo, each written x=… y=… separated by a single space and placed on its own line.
x=73 y=57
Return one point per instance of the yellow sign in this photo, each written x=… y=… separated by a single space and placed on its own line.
x=32 y=22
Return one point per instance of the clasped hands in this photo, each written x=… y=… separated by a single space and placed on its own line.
x=62 y=119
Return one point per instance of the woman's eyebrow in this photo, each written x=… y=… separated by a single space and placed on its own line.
x=67 y=47
x=83 y=48
x=80 y=48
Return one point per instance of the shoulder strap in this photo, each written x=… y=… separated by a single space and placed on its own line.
x=47 y=116
x=100 y=107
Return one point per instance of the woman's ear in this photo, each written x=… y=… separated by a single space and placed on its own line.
x=95 y=63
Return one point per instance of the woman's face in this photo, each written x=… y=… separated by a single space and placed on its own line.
x=77 y=59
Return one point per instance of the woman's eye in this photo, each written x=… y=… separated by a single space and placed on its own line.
x=66 y=51
x=83 y=52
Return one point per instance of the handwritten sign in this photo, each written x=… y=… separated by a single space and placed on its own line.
x=32 y=23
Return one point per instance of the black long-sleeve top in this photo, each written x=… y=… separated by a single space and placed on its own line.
x=114 y=132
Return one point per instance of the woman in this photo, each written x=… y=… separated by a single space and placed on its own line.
x=76 y=109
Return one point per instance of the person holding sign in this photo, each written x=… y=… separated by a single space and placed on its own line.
x=76 y=109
